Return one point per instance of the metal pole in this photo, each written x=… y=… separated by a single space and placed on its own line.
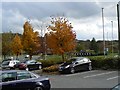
x=112 y=37
x=103 y=32
x=118 y=29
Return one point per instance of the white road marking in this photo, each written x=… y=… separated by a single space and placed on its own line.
x=99 y=74
x=113 y=78
x=81 y=73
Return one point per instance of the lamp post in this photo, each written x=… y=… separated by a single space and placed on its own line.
x=118 y=28
x=103 y=32
x=112 y=37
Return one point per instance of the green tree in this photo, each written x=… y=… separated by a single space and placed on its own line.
x=6 y=43
x=93 y=45
x=80 y=46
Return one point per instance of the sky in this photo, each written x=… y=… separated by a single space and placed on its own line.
x=85 y=16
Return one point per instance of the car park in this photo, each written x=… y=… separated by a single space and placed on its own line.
x=29 y=65
x=75 y=64
x=23 y=80
x=9 y=64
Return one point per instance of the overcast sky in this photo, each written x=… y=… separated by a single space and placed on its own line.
x=85 y=17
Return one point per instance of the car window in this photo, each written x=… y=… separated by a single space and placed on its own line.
x=8 y=76
x=85 y=59
x=5 y=63
x=79 y=59
x=31 y=62
x=23 y=75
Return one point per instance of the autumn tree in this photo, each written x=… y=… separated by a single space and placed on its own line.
x=30 y=40
x=61 y=37
x=16 y=45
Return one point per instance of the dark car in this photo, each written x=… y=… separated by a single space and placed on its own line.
x=75 y=64
x=23 y=80
x=29 y=65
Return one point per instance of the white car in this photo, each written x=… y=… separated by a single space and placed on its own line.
x=9 y=64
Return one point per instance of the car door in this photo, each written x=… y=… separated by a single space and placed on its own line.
x=84 y=62
x=24 y=80
x=80 y=65
x=76 y=65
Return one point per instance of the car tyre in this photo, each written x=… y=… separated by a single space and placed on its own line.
x=72 y=70
x=89 y=67
x=38 y=88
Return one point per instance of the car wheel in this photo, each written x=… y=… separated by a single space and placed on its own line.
x=72 y=70
x=38 y=88
x=27 y=69
x=89 y=67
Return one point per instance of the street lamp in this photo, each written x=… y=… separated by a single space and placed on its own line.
x=103 y=32
x=112 y=36
x=118 y=28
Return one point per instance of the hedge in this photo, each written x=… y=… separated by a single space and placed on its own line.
x=97 y=63
x=105 y=63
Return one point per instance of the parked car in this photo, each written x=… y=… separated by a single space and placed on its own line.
x=9 y=64
x=117 y=87
x=75 y=64
x=23 y=80
x=29 y=65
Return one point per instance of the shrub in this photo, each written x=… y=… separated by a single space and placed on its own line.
x=52 y=68
x=105 y=63
x=51 y=60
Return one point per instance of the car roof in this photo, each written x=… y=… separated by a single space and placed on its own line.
x=8 y=71
x=10 y=60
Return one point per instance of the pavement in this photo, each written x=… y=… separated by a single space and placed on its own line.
x=86 y=79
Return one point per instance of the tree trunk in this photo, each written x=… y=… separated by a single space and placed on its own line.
x=63 y=58
x=30 y=57
x=16 y=56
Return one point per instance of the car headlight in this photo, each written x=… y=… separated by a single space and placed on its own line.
x=67 y=66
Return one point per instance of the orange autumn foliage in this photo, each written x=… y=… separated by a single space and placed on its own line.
x=16 y=45
x=61 y=37
x=30 y=40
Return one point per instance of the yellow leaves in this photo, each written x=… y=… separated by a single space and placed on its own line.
x=61 y=38
x=16 y=45
x=30 y=39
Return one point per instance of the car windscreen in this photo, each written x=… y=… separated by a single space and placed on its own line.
x=69 y=61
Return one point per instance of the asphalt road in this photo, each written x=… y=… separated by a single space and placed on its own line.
x=86 y=79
